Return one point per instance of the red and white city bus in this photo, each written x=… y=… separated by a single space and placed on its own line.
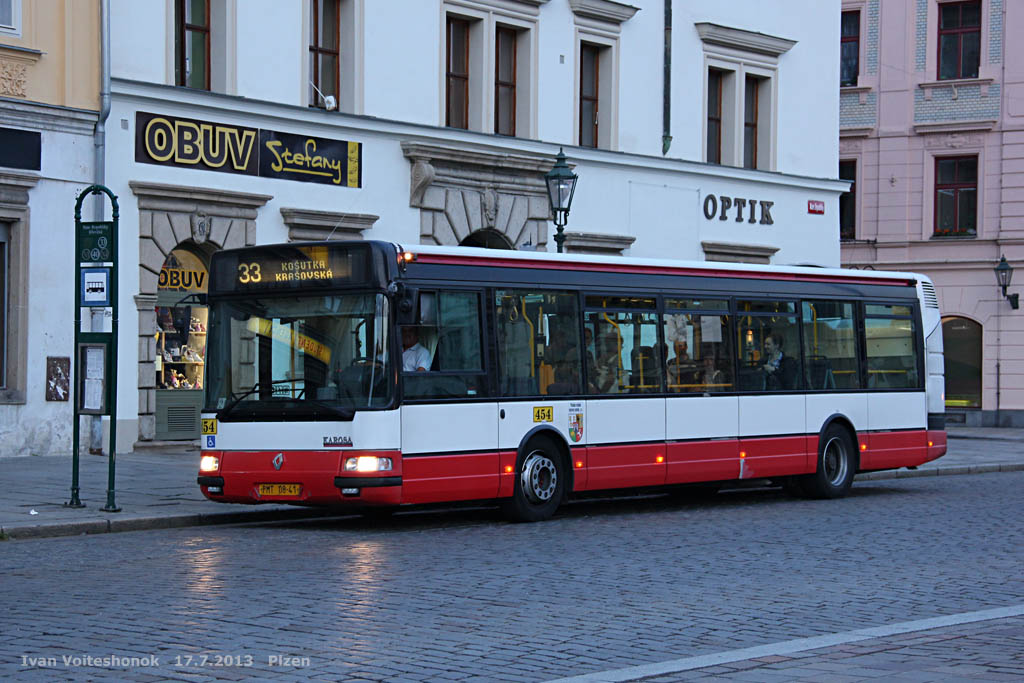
x=364 y=374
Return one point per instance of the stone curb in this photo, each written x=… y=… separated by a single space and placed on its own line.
x=983 y=437
x=164 y=522
x=210 y=519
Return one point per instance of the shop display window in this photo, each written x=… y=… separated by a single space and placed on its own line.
x=180 y=347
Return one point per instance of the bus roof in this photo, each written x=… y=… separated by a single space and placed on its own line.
x=547 y=260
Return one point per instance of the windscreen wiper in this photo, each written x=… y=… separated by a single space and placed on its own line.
x=342 y=413
x=235 y=400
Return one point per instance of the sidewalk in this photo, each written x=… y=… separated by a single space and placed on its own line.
x=158 y=490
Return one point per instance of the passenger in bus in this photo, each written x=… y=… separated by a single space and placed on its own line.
x=710 y=376
x=564 y=359
x=779 y=369
x=607 y=366
x=681 y=369
x=415 y=357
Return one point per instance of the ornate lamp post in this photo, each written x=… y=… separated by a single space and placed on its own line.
x=1004 y=274
x=561 y=184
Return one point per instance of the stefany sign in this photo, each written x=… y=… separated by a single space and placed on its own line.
x=189 y=143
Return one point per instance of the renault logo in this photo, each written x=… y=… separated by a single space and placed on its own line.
x=278 y=461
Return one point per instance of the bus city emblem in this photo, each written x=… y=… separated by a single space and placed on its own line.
x=278 y=461
x=575 y=421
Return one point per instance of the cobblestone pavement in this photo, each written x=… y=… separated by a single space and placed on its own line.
x=460 y=595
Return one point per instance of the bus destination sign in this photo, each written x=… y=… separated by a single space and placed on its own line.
x=290 y=267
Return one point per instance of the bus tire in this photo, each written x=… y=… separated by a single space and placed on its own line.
x=539 y=484
x=837 y=463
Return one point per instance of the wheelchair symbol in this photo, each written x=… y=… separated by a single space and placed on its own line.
x=211 y=441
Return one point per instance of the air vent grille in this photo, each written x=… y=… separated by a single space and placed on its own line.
x=930 y=299
x=183 y=418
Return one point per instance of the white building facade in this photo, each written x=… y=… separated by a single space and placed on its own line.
x=701 y=131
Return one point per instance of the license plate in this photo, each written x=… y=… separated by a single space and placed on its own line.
x=280 y=489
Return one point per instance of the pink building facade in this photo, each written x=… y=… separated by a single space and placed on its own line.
x=932 y=136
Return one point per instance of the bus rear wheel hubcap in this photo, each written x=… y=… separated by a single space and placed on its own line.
x=539 y=477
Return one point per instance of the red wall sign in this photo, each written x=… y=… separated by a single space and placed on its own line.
x=814 y=206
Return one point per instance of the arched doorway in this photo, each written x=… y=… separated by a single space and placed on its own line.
x=487 y=238
x=180 y=343
x=961 y=340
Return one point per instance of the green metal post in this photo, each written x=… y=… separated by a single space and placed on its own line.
x=111 y=506
x=75 y=501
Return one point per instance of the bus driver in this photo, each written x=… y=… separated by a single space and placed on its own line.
x=415 y=357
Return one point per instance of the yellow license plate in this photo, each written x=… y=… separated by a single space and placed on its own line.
x=209 y=426
x=280 y=489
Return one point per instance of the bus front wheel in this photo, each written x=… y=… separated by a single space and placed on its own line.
x=539 y=484
x=837 y=463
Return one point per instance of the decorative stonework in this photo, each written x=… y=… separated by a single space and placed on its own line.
x=741 y=39
x=306 y=225
x=729 y=252
x=461 y=190
x=597 y=243
x=169 y=215
x=13 y=78
x=954 y=141
x=603 y=10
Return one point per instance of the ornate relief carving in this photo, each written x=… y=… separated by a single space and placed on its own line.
x=490 y=207
x=850 y=145
x=953 y=141
x=422 y=176
x=12 y=78
x=200 y=227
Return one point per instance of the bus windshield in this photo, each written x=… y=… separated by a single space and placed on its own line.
x=299 y=358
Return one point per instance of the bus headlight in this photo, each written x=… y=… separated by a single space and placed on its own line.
x=367 y=463
x=209 y=463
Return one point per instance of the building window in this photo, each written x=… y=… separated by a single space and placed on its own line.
x=324 y=51
x=959 y=39
x=714 y=154
x=505 y=81
x=10 y=17
x=962 y=339
x=192 y=44
x=740 y=112
x=589 y=90
x=956 y=196
x=750 y=115
x=848 y=201
x=457 y=74
x=849 y=48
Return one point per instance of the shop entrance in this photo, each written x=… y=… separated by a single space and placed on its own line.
x=180 y=345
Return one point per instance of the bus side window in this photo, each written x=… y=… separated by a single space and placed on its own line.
x=455 y=368
x=890 y=341
x=830 y=345
x=538 y=342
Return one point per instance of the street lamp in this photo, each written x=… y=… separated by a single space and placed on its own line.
x=561 y=184
x=1004 y=273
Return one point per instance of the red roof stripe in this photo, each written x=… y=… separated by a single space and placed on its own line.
x=449 y=259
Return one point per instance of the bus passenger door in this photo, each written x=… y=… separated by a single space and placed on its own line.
x=449 y=424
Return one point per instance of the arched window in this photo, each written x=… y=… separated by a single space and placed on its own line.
x=490 y=239
x=961 y=340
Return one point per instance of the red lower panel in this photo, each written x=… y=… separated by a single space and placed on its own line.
x=580 y=475
x=440 y=478
x=886 y=450
x=703 y=461
x=936 y=444
x=625 y=466
x=811 y=463
x=313 y=471
x=507 y=476
x=774 y=456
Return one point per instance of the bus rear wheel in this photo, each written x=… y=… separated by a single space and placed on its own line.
x=836 y=466
x=539 y=484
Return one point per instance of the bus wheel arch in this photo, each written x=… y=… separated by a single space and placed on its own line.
x=543 y=477
x=837 y=461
